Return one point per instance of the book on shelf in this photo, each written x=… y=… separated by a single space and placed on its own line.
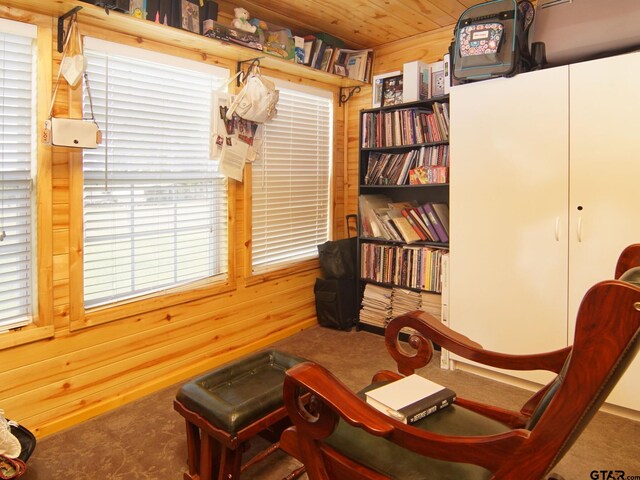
x=415 y=214
x=406 y=222
x=437 y=78
x=416 y=81
x=425 y=175
x=427 y=222
x=410 y=216
x=405 y=126
x=447 y=73
x=442 y=211
x=326 y=57
x=358 y=63
x=435 y=221
x=318 y=52
x=298 y=43
x=308 y=48
x=423 y=81
x=410 y=399
x=409 y=266
x=409 y=234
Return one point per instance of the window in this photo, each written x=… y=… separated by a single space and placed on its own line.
x=155 y=208
x=291 y=200
x=18 y=88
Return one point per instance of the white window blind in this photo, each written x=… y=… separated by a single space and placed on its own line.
x=291 y=180
x=17 y=152
x=155 y=208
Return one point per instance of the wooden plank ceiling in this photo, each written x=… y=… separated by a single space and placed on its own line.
x=360 y=23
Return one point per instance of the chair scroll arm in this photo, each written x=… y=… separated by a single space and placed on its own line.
x=431 y=329
x=331 y=398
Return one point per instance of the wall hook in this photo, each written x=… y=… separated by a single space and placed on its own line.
x=255 y=63
x=345 y=98
x=61 y=31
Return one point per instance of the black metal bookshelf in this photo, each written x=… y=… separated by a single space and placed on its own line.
x=421 y=193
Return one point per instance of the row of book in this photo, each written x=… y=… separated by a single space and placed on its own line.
x=420 y=166
x=380 y=304
x=406 y=222
x=429 y=221
x=405 y=126
x=327 y=53
x=405 y=266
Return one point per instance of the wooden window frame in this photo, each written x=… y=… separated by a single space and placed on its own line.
x=81 y=317
x=42 y=325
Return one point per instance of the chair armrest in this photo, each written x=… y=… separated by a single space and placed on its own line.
x=386 y=376
x=332 y=400
x=431 y=329
x=629 y=258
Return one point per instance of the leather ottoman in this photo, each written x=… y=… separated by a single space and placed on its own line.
x=227 y=407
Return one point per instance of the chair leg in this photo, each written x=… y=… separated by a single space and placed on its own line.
x=193 y=451
x=208 y=453
x=230 y=462
x=295 y=474
x=274 y=447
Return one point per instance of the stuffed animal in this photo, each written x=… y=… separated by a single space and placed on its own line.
x=241 y=20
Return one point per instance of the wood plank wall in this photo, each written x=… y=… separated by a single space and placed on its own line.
x=51 y=384
x=74 y=375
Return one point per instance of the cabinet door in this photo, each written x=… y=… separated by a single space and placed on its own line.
x=605 y=181
x=508 y=194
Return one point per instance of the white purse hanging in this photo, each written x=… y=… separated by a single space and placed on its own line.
x=257 y=100
x=72 y=132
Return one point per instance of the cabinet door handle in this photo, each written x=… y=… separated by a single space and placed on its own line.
x=557 y=229
x=579 y=230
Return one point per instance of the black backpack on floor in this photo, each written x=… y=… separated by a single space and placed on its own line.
x=336 y=299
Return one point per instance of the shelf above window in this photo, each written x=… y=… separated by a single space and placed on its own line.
x=128 y=24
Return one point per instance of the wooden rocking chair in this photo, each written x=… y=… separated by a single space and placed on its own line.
x=339 y=436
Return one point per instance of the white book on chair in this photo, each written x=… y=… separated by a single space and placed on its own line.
x=410 y=398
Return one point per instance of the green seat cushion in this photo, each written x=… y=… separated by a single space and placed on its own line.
x=632 y=276
x=235 y=395
x=398 y=463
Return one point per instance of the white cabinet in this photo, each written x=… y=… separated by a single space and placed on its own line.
x=543 y=197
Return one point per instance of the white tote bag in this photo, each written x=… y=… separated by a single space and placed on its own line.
x=256 y=101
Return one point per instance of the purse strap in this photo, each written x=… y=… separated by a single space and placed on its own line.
x=73 y=28
x=11 y=468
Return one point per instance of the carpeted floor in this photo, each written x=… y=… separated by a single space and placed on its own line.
x=146 y=438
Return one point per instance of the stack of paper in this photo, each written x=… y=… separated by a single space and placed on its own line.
x=431 y=303
x=404 y=301
x=376 y=305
